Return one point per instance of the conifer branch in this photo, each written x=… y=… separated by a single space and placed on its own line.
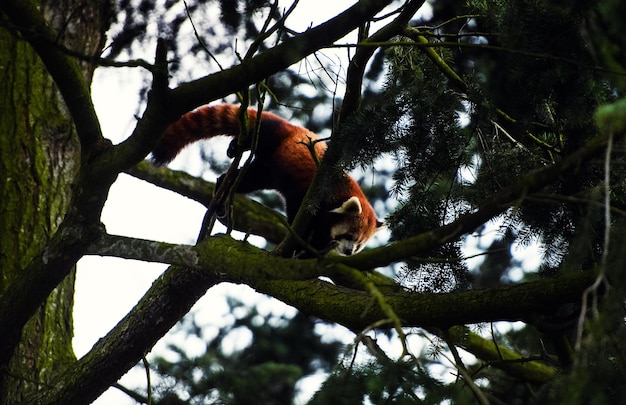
x=421 y=244
x=467 y=378
x=351 y=103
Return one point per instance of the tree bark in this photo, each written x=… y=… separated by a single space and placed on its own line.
x=39 y=160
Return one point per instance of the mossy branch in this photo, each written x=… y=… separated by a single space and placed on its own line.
x=503 y=358
x=369 y=286
x=248 y=216
x=295 y=282
x=460 y=366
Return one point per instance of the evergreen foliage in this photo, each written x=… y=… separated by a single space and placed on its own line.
x=501 y=124
x=280 y=352
x=390 y=382
x=523 y=97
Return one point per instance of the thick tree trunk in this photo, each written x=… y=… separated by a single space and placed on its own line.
x=39 y=159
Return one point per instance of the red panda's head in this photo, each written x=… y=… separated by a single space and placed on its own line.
x=353 y=224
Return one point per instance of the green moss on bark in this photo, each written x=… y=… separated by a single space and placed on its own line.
x=38 y=151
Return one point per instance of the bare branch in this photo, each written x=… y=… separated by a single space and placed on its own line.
x=248 y=216
x=144 y=250
x=192 y=94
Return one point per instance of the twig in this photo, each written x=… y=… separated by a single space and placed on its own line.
x=592 y=290
x=458 y=363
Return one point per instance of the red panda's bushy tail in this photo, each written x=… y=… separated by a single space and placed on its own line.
x=201 y=123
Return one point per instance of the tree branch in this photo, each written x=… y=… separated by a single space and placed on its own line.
x=144 y=250
x=248 y=216
x=351 y=103
x=294 y=282
x=355 y=309
x=171 y=296
x=149 y=128
x=165 y=107
x=356 y=68
x=192 y=94
x=501 y=357
x=421 y=244
x=497 y=356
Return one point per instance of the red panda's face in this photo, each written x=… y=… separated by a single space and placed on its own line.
x=353 y=227
x=345 y=240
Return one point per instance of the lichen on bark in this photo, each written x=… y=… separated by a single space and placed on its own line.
x=39 y=159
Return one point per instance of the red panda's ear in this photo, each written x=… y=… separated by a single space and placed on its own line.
x=351 y=206
x=379 y=223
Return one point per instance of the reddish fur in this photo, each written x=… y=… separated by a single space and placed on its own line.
x=281 y=163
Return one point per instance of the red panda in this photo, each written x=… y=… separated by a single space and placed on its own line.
x=282 y=162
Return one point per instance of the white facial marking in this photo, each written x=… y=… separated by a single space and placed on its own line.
x=339 y=229
x=346 y=232
x=346 y=239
